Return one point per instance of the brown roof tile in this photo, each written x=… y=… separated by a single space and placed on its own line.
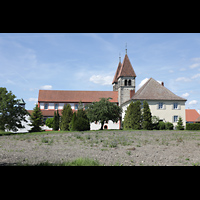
x=116 y=73
x=50 y=113
x=126 y=68
x=152 y=90
x=75 y=96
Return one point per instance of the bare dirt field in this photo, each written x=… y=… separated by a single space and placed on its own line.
x=140 y=148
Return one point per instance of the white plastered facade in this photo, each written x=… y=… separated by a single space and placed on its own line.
x=166 y=114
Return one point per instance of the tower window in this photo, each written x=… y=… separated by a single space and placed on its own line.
x=125 y=82
x=129 y=82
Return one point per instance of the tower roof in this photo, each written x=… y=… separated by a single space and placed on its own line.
x=126 y=68
x=116 y=73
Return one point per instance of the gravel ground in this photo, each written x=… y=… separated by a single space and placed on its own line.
x=140 y=148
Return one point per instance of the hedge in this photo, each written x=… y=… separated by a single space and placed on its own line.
x=195 y=126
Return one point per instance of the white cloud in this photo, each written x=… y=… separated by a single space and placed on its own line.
x=142 y=82
x=46 y=87
x=102 y=80
x=182 y=69
x=171 y=71
x=193 y=102
x=195 y=59
x=185 y=95
x=194 y=65
x=183 y=79
x=32 y=99
x=196 y=76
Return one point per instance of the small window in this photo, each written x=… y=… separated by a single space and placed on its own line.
x=125 y=82
x=160 y=105
x=175 y=118
x=175 y=105
x=129 y=82
x=56 y=106
x=76 y=106
x=46 y=106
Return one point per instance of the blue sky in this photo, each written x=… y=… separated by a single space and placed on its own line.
x=88 y=61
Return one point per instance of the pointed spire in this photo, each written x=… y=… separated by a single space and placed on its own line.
x=126 y=48
x=119 y=57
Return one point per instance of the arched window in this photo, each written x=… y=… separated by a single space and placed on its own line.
x=125 y=83
x=129 y=82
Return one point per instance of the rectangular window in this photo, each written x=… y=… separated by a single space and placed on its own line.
x=160 y=105
x=46 y=106
x=76 y=106
x=175 y=118
x=175 y=106
x=56 y=106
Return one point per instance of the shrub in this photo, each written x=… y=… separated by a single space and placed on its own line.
x=195 y=126
x=79 y=121
x=49 y=122
x=169 y=126
x=161 y=125
x=180 y=124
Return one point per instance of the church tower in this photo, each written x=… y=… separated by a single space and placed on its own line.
x=124 y=80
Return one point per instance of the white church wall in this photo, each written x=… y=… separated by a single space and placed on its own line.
x=110 y=125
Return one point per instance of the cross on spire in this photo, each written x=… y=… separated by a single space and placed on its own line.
x=126 y=48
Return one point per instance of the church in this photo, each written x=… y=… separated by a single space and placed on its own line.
x=162 y=102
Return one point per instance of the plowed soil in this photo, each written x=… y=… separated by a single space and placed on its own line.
x=108 y=147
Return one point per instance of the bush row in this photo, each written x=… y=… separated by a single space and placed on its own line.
x=163 y=126
x=195 y=126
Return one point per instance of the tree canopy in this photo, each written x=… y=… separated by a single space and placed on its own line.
x=103 y=111
x=66 y=117
x=133 y=116
x=11 y=113
x=36 y=119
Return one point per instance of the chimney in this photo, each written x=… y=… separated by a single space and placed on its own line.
x=162 y=83
x=132 y=92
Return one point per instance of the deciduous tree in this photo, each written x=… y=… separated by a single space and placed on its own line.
x=11 y=113
x=103 y=111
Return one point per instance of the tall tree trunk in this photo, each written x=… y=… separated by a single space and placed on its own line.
x=102 y=123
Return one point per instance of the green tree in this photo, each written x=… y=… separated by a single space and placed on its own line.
x=72 y=125
x=56 y=120
x=36 y=119
x=82 y=122
x=11 y=113
x=66 y=117
x=133 y=117
x=103 y=111
x=49 y=122
x=146 y=117
x=180 y=124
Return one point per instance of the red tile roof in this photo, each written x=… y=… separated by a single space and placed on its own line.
x=192 y=115
x=126 y=68
x=75 y=96
x=116 y=73
x=50 y=113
